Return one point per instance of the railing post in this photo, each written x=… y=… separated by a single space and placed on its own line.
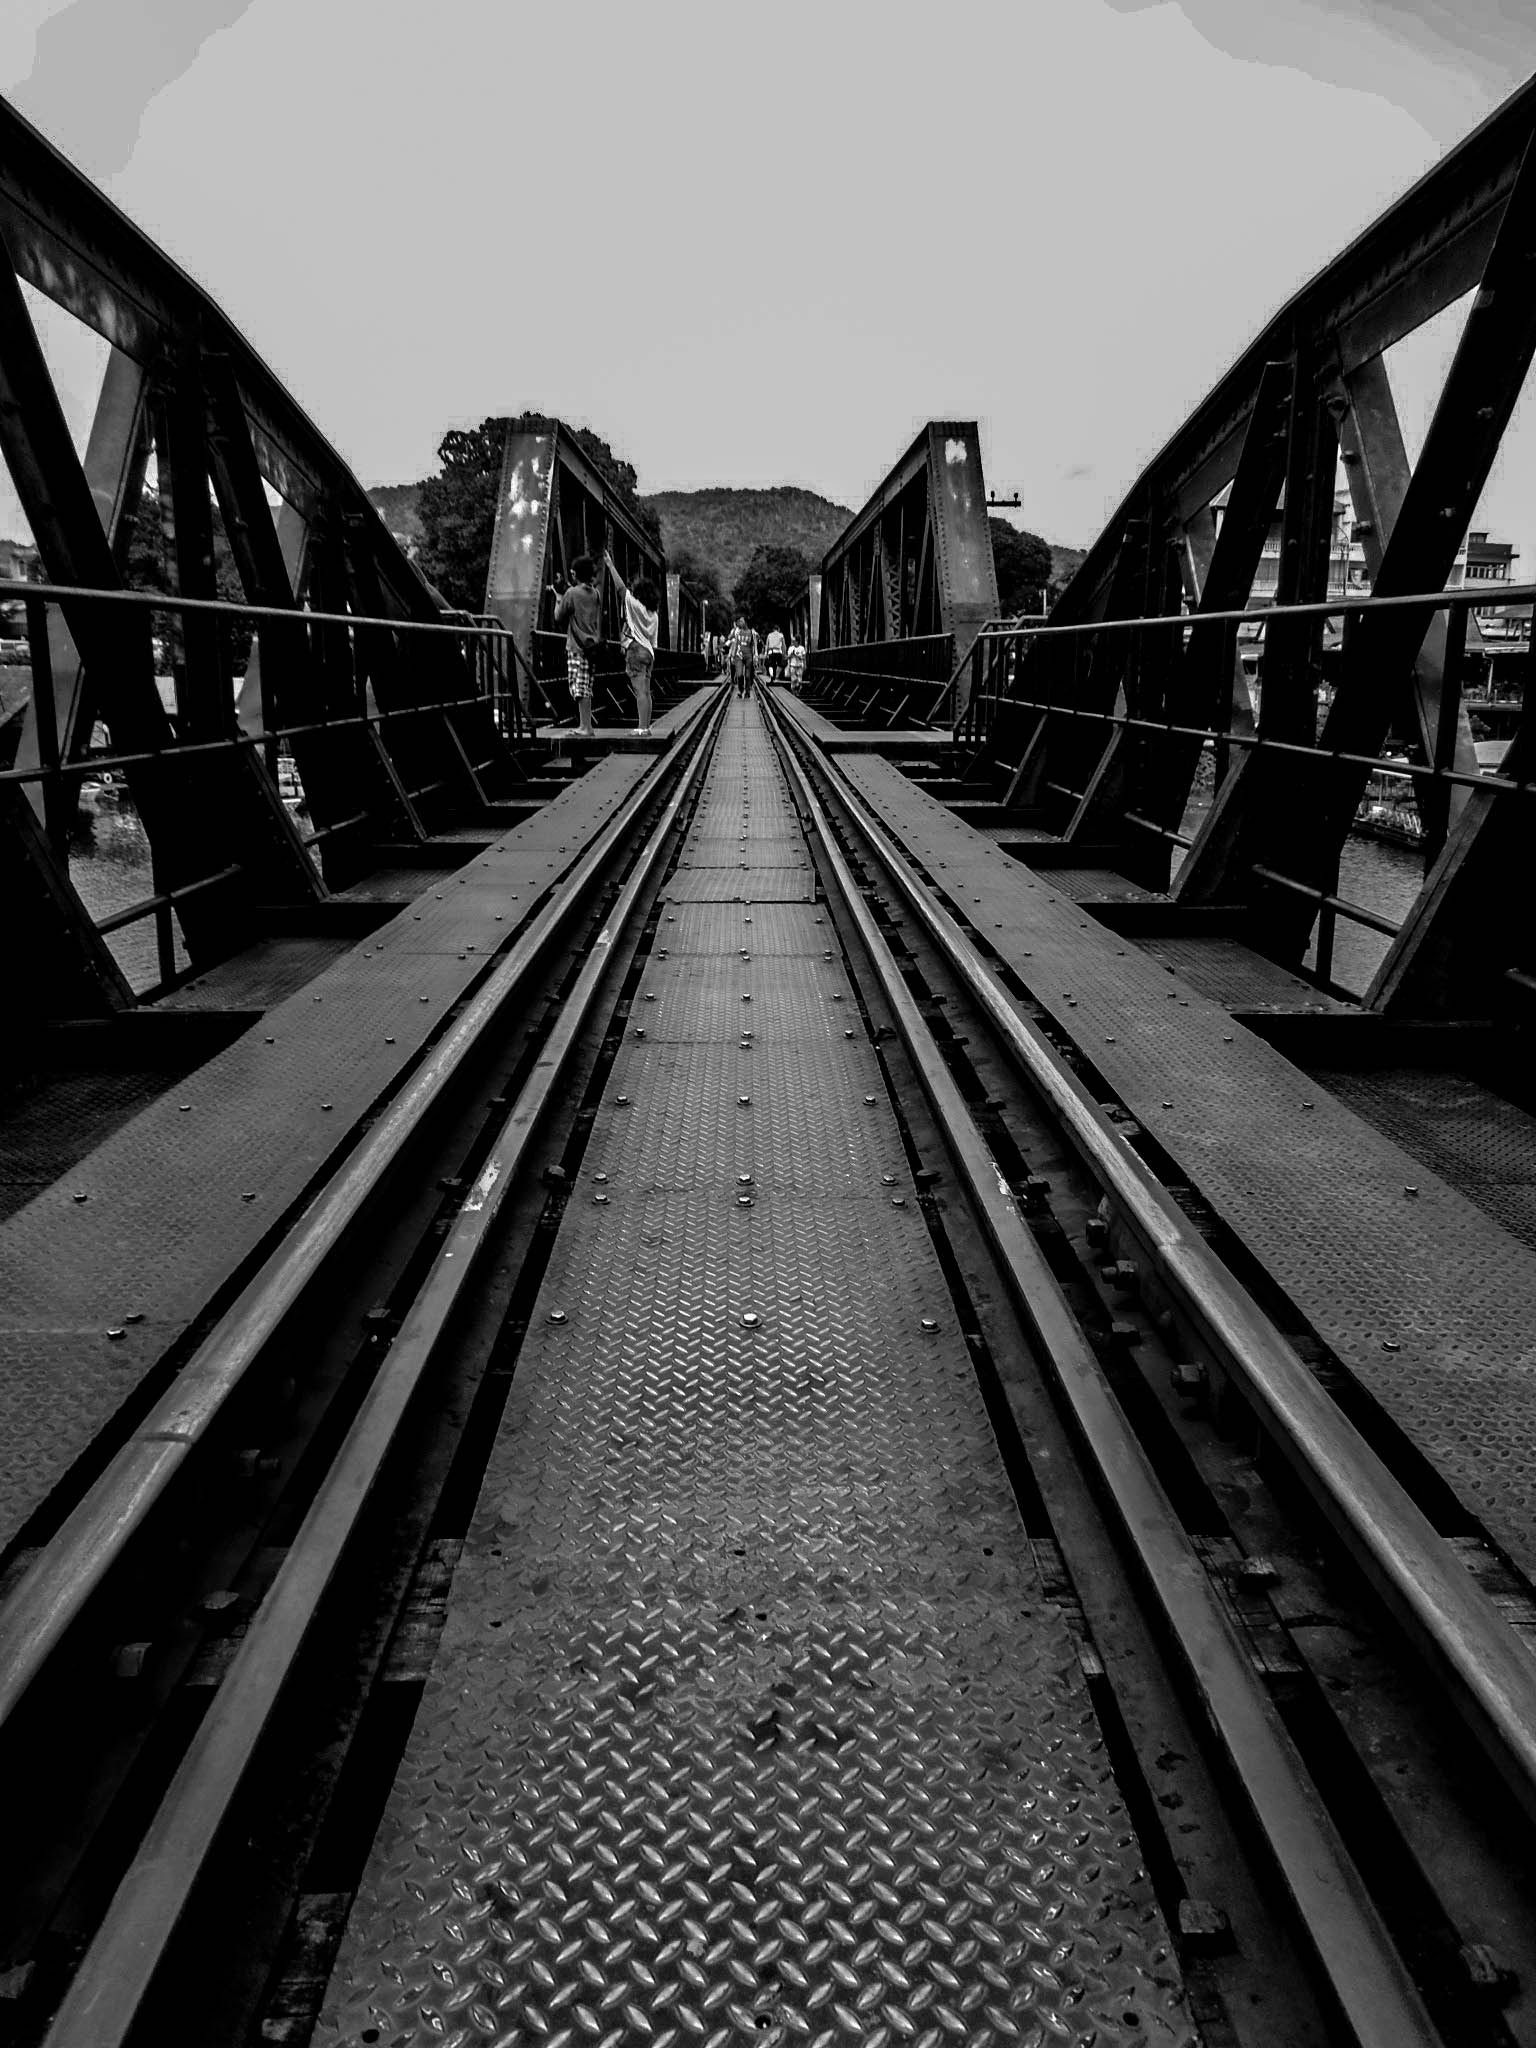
x=46 y=717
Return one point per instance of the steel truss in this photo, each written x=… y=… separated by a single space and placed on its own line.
x=552 y=505
x=182 y=384
x=909 y=582
x=1103 y=732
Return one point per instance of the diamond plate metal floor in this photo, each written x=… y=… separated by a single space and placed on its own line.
x=750 y=1719
x=1424 y=1298
x=140 y=1233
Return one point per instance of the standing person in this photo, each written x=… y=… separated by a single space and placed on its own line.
x=773 y=653
x=739 y=656
x=581 y=604
x=637 y=637
x=796 y=669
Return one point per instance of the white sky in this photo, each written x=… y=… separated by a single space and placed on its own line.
x=759 y=244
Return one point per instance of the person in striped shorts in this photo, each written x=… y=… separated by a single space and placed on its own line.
x=581 y=605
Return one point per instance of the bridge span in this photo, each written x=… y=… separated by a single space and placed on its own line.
x=805 y=1378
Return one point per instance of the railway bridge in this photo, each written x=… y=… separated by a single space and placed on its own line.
x=811 y=1378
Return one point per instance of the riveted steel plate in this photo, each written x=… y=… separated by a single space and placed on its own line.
x=741 y=885
x=769 y=932
x=700 y=1000
x=1479 y=1142
x=1235 y=976
x=1103 y=885
x=1422 y=1296
x=806 y=1124
x=178 y=1199
x=750 y=1719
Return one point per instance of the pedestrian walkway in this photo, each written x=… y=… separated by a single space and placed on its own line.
x=751 y=1718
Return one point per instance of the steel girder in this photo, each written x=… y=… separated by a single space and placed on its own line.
x=553 y=504
x=916 y=560
x=1311 y=388
x=183 y=378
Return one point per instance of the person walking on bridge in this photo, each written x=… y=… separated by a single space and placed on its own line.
x=637 y=637
x=795 y=671
x=740 y=654
x=581 y=604
x=773 y=653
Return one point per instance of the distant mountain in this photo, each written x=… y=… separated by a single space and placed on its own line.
x=397 y=504
x=722 y=526
x=1065 y=563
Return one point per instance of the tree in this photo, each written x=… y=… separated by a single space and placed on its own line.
x=147 y=565
x=1023 y=565
x=700 y=580
x=457 y=508
x=772 y=584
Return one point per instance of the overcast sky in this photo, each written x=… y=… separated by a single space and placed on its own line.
x=761 y=244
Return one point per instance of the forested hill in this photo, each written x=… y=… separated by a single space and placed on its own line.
x=721 y=527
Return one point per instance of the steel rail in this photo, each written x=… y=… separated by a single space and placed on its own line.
x=51 y=1596
x=1486 y=1673
x=102 y=2005
x=1353 y=1947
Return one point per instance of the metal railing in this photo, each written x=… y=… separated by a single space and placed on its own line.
x=992 y=690
x=335 y=665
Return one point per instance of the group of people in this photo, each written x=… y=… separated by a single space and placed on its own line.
x=579 y=608
x=744 y=653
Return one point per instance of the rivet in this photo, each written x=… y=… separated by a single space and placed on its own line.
x=744 y=1100
x=134 y=1315
x=1408 y=1190
x=80 y=1196
x=421 y=999
x=746 y=998
x=751 y=1320
x=1166 y=1103
x=929 y=1324
x=601 y=1179
x=1387 y=1344
x=183 y=1107
x=650 y=999
x=743 y=1201
x=1109 y=1041
x=248 y=1195
x=639 y=1031
x=898 y=1201
x=837 y=998
x=116 y=1334
x=869 y=1101
x=557 y=1315
x=389 y=1038
x=325 y=1105
x=599 y=1198
x=270 y=1041
x=622 y=1100
x=1307 y=1105
x=1226 y=1038
x=848 y=1033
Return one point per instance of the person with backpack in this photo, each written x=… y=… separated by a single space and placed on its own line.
x=637 y=637
x=581 y=604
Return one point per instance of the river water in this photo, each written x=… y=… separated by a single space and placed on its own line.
x=109 y=865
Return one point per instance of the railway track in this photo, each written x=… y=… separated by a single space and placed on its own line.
x=1319 y=1712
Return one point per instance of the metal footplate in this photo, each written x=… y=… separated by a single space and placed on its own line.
x=750 y=1718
